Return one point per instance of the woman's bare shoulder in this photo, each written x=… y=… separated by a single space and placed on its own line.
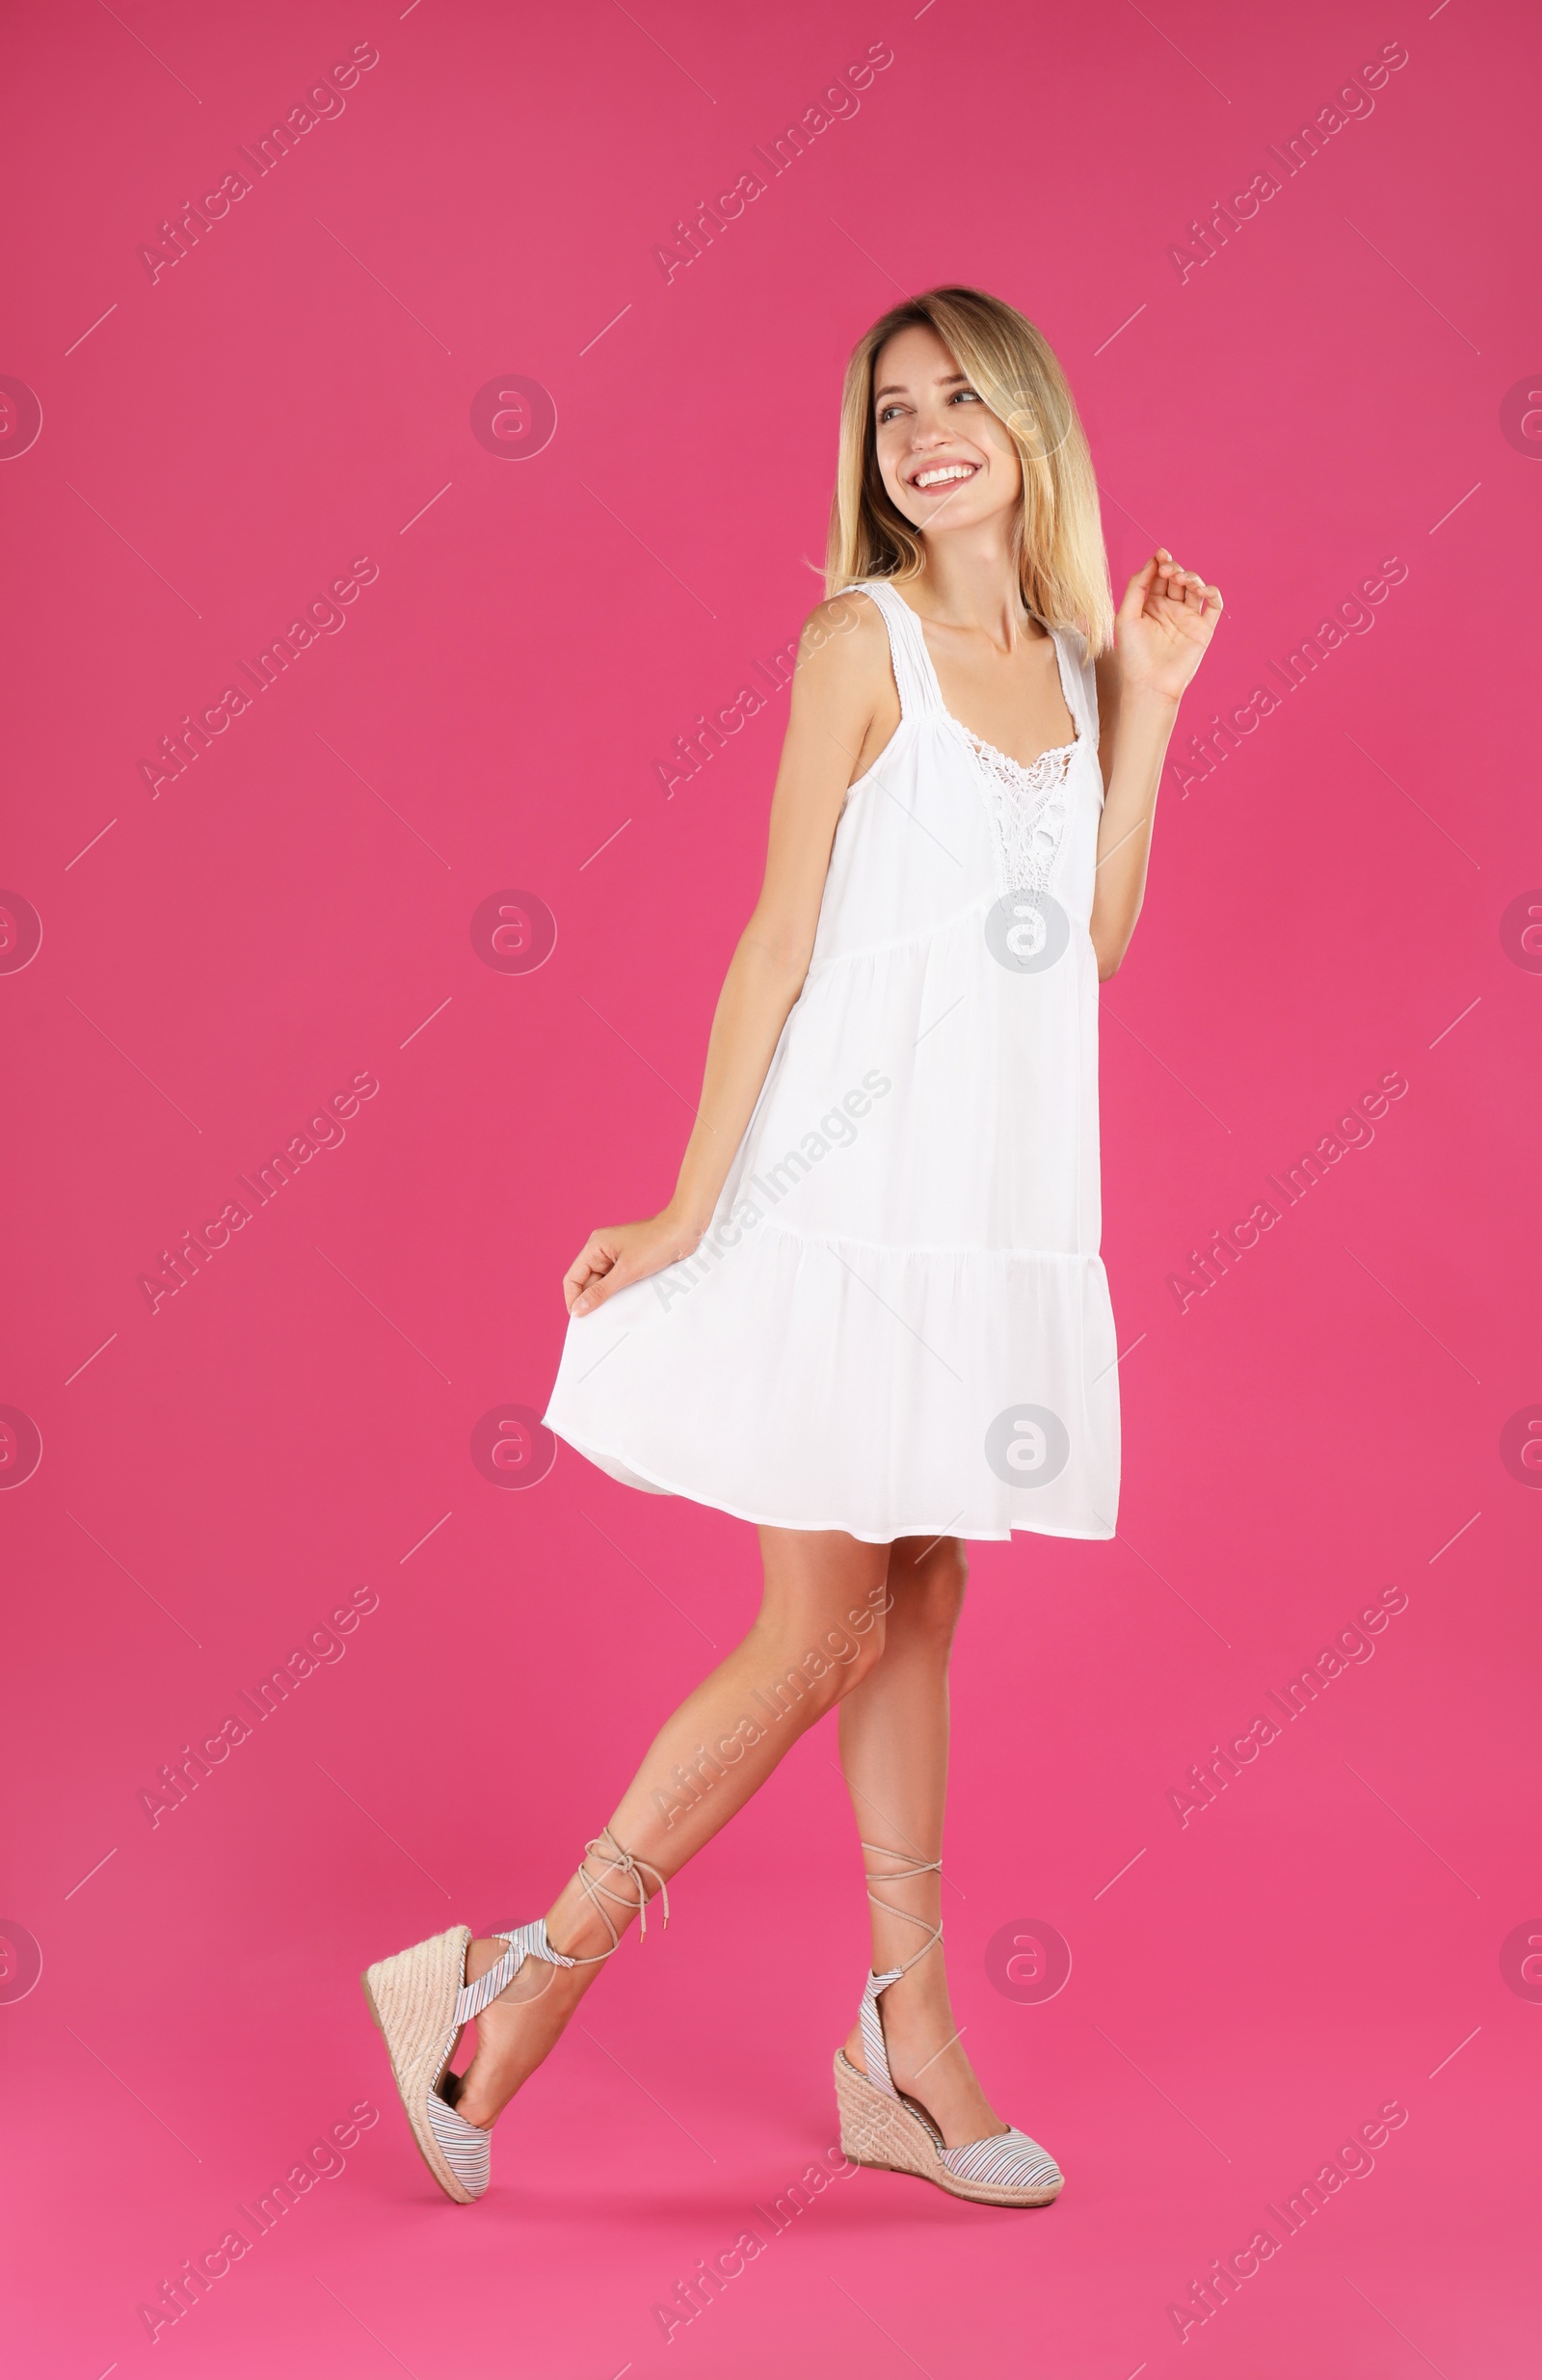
x=844 y=644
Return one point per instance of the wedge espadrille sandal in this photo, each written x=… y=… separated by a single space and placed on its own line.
x=422 y=2004
x=884 y=2127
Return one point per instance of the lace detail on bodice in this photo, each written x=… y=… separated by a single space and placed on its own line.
x=1028 y=806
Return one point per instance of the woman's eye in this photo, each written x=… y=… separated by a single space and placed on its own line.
x=970 y=394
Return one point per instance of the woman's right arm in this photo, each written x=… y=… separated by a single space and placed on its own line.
x=838 y=688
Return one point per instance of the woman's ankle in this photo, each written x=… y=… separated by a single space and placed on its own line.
x=610 y=1889
x=576 y=1930
x=924 y=1985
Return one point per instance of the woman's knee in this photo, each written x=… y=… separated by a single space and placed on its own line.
x=846 y=1652
x=825 y=1628
x=927 y=1589
x=862 y=1647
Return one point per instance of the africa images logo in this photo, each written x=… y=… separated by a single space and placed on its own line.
x=1026 y=932
x=1028 y=1446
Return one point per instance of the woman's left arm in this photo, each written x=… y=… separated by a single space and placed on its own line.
x=1162 y=626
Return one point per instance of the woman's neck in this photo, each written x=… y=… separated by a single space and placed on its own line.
x=970 y=581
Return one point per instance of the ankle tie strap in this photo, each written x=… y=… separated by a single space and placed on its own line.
x=899 y=1876
x=526 y=1942
x=531 y=1941
x=598 y=1889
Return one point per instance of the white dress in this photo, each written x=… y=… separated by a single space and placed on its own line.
x=897 y=1324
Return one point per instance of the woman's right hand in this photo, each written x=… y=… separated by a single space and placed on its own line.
x=610 y=1260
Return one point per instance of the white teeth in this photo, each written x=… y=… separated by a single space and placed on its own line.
x=948 y=470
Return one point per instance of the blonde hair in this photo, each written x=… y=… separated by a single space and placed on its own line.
x=1062 y=566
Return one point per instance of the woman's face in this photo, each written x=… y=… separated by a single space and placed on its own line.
x=946 y=462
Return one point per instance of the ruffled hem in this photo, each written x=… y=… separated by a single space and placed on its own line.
x=971 y=1393
x=614 y=1468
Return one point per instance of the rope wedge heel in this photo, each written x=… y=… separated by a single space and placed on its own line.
x=422 y=2004
x=884 y=2126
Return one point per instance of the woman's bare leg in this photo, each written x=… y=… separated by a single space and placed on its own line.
x=819 y=1631
x=893 y=1748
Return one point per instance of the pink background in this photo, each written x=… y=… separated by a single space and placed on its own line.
x=1326 y=393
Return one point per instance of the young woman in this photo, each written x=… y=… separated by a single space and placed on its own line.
x=873 y=1318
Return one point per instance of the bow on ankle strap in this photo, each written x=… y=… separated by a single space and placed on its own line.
x=531 y=1941
x=598 y=1889
x=899 y=1876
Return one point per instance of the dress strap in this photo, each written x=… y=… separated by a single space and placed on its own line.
x=1071 y=683
x=913 y=674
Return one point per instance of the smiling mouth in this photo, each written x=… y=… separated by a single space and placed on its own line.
x=940 y=478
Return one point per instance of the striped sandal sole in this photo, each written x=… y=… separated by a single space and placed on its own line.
x=411 y=1998
x=883 y=2132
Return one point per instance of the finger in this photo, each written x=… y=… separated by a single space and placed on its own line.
x=591 y=1258
x=1139 y=587
x=592 y=1262
x=600 y=1287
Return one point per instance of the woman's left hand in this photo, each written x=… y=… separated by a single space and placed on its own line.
x=1166 y=619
